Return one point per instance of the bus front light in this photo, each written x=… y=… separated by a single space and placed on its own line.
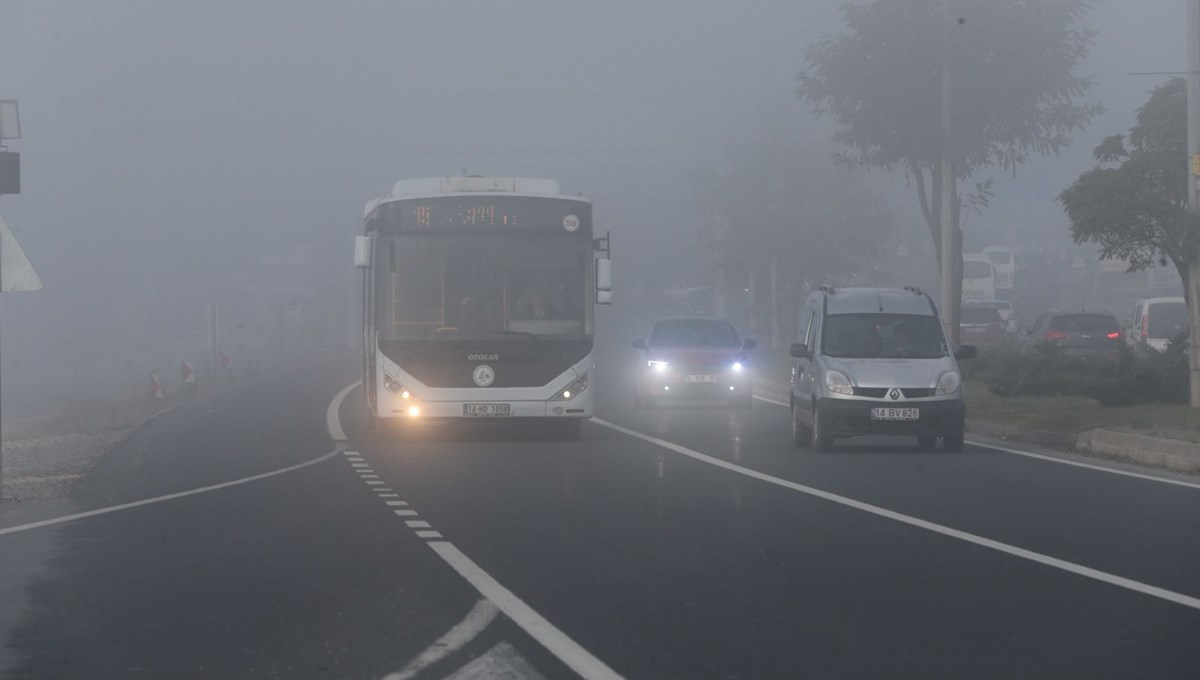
x=571 y=391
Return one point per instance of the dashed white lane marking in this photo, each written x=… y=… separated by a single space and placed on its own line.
x=358 y=465
x=369 y=476
x=463 y=632
x=554 y=640
x=1052 y=459
x=1079 y=569
x=167 y=497
x=387 y=495
x=567 y=650
x=396 y=503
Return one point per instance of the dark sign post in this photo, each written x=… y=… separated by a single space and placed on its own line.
x=10 y=183
x=10 y=172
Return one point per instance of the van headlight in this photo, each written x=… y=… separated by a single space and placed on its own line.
x=838 y=383
x=573 y=390
x=948 y=383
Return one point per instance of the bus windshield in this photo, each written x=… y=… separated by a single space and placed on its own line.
x=458 y=286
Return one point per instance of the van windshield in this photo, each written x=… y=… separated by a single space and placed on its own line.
x=883 y=336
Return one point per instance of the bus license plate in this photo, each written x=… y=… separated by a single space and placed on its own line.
x=700 y=378
x=895 y=414
x=487 y=410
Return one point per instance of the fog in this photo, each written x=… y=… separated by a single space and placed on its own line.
x=175 y=154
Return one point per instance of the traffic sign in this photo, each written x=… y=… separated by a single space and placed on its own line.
x=16 y=272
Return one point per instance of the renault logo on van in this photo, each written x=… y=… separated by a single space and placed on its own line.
x=894 y=394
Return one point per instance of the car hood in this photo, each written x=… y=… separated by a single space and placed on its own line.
x=696 y=355
x=892 y=372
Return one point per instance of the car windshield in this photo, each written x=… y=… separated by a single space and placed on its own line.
x=978 y=315
x=875 y=336
x=1085 y=323
x=694 y=333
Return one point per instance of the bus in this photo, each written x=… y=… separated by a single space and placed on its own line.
x=979 y=276
x=1004 y=261
x=478 y=302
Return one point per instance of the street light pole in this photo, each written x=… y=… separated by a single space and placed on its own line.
x=1193 y=142
x=949 y=191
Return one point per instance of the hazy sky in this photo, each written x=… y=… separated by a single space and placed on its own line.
x=166 y=144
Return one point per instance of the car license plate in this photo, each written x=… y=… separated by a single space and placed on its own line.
x=487 y=410
x=895 y=414
x=700 y=378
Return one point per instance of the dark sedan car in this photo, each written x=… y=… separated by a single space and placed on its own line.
x=1091 y=335
x=693 y=359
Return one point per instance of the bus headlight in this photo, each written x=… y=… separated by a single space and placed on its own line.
x=737 y=367
x=392 y=385
x=573 y=390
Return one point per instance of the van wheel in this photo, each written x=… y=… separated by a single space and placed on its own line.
x=926 y=442
x=801 y=433
x=953 y=443
x=821 y=441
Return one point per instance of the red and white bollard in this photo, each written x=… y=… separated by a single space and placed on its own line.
x=155 y=386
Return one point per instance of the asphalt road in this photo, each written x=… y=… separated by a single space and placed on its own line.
x=668 y=543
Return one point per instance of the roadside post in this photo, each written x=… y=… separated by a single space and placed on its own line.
x=1193 y=142
x=16 y=272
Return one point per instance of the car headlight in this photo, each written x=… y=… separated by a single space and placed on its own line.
x=573 y=390
x=948 y=383
x=657 y=366
x=737 y=367
x=837 y=382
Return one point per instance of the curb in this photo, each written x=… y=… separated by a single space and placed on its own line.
x=1171 y=454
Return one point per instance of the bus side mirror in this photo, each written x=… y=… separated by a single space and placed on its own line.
x=362 y=251
x=604 y=281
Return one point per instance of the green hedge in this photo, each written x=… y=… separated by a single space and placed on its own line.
x=1135 y=378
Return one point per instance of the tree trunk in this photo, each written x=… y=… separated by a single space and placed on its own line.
x=776 y=335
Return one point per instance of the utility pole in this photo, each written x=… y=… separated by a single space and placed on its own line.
x=949 y=191
x=1193 y=141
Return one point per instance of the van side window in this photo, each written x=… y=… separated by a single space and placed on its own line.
x=805 y=336
x=811 y=336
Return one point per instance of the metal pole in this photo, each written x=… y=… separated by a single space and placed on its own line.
x=1193 y=141
x=949 y=188
x=214 y=359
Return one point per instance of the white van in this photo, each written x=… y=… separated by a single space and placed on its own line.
x=979 y=276
x=1156 y=321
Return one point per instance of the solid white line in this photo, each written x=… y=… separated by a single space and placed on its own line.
x=428 y=534
x=397 y=503
x=168 y=497
x=554 y=640
x=406 y=513
x=332 y=419
x=454 y=639
x=1112 y=579
x=417 y=524
x=1053 y=459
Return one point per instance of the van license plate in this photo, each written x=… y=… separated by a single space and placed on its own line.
x=895 y=414
x=487 y=410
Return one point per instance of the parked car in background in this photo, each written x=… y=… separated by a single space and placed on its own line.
x=1156 y=321
x=1091 y=335
x=1003 y=306
x=693 y=359
x=982 y=326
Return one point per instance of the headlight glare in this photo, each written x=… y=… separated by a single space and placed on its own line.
x=573 y=390
x=658 y=366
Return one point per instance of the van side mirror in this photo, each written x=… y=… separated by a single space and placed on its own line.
x=749 y=343
x=639 y=344
x=966 y=352
x=799 y=351
x=362 y=251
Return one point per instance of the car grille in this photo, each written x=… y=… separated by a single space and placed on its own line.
x=917 y=392
x=882 y=392
x=872 y=392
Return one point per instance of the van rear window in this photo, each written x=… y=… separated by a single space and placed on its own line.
x=1167 y=319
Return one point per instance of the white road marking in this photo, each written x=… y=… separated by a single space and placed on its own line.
x=1053 y=459
x=350 y=454
x=554 y=640
x=417 y=524
x=366 y=475
x=397 y=503
x=374 y=481
x=333 y=421
x=358 y=465
x=167 y=497
x=454 y=639
x=1079 y=569
x=386 y=495
x=501 y=661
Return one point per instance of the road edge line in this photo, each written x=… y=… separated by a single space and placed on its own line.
x=474 y=623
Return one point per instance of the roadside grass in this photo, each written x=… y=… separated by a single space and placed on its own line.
x=1078 y=414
